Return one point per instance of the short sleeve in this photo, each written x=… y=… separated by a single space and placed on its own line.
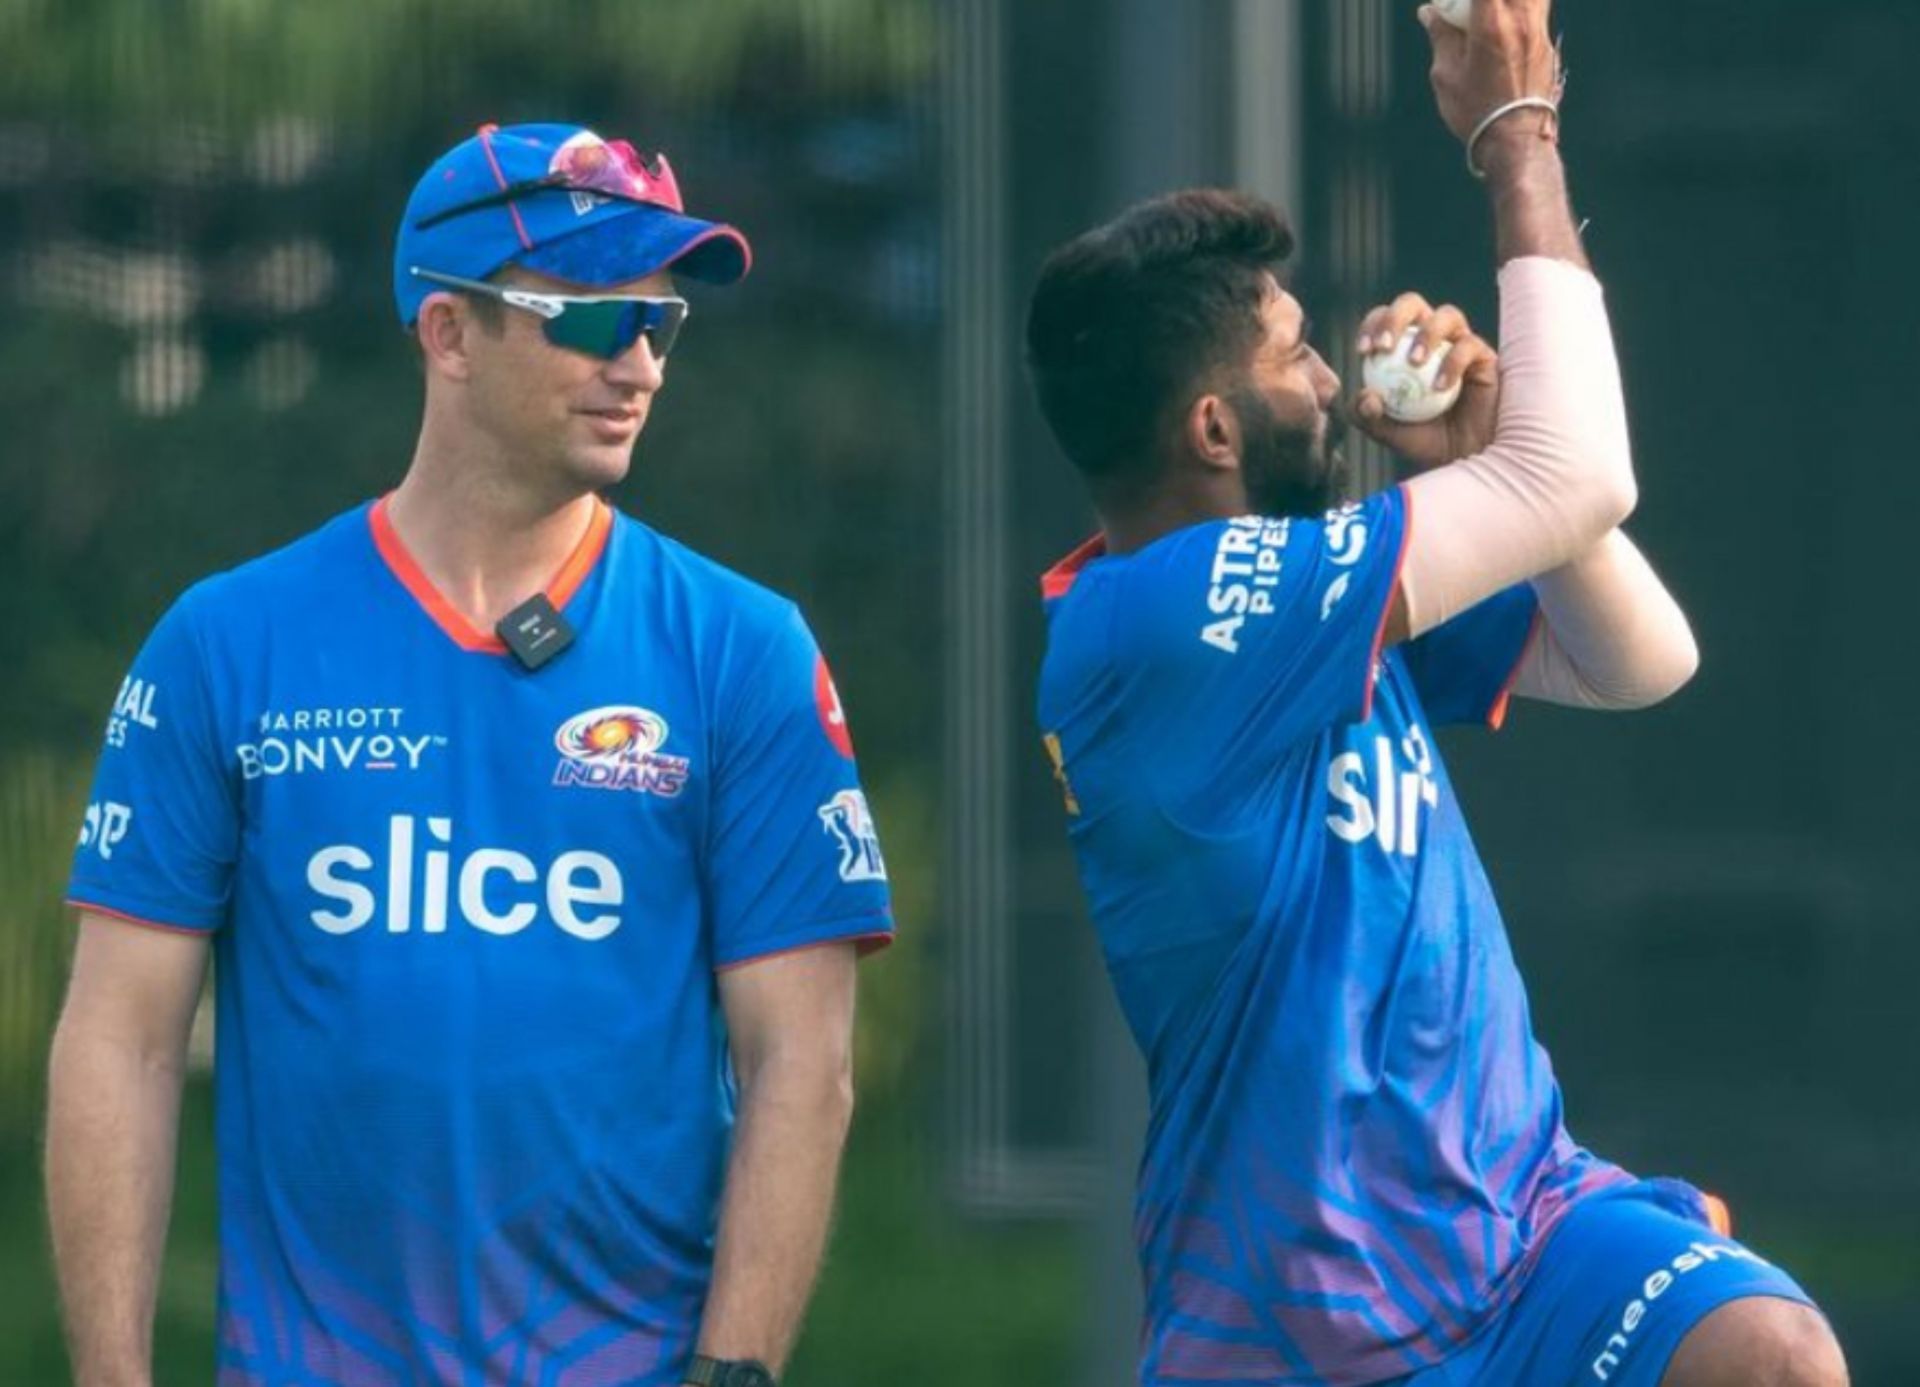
x=161 y=830
x=1465 y=669
x=1271 y=627
x=793 y=857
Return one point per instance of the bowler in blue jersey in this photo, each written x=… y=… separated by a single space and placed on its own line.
x=532 y=856
x=1356 y=1169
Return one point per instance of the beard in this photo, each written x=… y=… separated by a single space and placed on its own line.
x=1289 y=469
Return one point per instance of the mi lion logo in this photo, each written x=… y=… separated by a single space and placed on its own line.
x=848 y=819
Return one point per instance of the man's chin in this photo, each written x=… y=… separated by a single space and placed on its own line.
x=596 y=468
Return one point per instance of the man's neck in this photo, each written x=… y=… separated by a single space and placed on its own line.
x=1140 y=520
x=485 y=540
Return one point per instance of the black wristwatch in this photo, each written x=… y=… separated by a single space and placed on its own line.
x=717 y=1372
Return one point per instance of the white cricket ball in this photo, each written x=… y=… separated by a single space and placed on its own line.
x=1458 y=13
x=1408 y=389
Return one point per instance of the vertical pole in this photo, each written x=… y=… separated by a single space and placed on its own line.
x=978 y=807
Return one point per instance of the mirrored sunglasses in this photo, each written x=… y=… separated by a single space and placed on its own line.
x=609 y=169
x=605 y=325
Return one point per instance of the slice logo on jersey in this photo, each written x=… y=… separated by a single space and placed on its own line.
x=833 y=715
x=847 y=818
x=618 y=748
x=104 y=825
x=495 y=890
x=301 y=741
x=1384 y=801
x=1246 y=570
x=132 y=707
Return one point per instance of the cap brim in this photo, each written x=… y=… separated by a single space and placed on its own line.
x=638 y=243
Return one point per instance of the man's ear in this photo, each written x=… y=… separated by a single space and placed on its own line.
x=1213 y=432
x=444 y=330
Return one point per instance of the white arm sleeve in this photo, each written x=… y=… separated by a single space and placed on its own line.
x=1559 y=473
x=1612 y=636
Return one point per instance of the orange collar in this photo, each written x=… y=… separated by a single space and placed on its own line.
x=445 y=615
x=1055 y=582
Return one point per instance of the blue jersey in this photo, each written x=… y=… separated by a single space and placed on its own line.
x=1354 y=1141
x=473 y=1092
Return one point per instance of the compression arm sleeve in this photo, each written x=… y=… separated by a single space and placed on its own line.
x=1558 y=475
x=1611 y=635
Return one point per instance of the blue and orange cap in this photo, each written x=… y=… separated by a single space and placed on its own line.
x=560 y=200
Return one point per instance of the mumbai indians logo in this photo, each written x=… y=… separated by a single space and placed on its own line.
x=848 y=819
x=618 y=748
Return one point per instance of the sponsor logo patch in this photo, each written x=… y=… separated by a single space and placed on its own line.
x=1389 y=801
x=1336 y=590
x=132 y=707
x=833 y=717
x=104 y=825
x=619 y=748
x=1346 y=535
x=1657 y=1284
x=1246 y=571
x=425 y=880
x=300 y=741
x=849 y=821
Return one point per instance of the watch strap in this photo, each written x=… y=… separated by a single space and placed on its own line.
x=719 y=1372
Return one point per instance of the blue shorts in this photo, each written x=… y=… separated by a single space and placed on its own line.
x=1619 y=1284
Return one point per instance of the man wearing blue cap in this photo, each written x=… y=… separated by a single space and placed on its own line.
x=533 y=856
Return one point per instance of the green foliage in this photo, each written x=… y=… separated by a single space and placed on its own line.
x=39 y=810
x=912 y=1293
x=891 y=1058
x=122 y=62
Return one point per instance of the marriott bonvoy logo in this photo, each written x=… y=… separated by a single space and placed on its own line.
x=306 y=740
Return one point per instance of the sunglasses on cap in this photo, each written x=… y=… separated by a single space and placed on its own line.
x=602 y=169
x=604 y=325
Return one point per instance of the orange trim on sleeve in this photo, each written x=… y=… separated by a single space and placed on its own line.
x=1719 y=1216
x=1393 y=588
x=144 y=923
x=449 y=618
x=863 y=944
x=1497 y=714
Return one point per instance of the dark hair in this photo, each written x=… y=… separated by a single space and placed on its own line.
x=1130 y=318
x=489 y=312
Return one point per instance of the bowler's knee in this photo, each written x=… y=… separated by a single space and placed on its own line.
x=1759 y=1342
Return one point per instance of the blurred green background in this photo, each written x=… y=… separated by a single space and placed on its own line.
x=1714 y=902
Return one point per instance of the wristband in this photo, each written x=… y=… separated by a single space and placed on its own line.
x=716 y=1372
x=1499 y=113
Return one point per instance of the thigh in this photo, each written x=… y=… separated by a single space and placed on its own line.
x=1619 y=1284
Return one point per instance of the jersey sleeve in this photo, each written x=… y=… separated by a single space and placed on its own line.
x=161 y=831
x=794 y=857
x=1465 y=669
x=1267 y=632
